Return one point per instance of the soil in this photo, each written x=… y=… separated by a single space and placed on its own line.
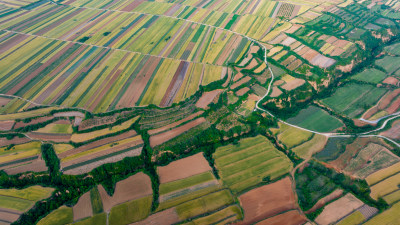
x=267 y=201
x=207 y=98
x=134 y=187
x=288 y=218
x=83 y=208
x=183 y=168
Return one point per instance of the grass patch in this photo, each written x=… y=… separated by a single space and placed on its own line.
x=99 y=219
x=33 y=193
x=389 y=63
x=130 y=212
x=353 y=99
x=95 y=198
x=204 y=204
x=370 y=75
x=60 y=216
x=249 y=162
x=315 y=118
x=15 y=203
x=310 y=147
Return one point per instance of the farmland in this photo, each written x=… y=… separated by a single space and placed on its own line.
x=353 y=99
x=15 y=202
x=248 y=163
x=199 y=112
x=314 y=118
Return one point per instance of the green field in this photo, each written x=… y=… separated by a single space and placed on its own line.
x=333 y=148
x=56 y=129
x=33 y=193
x=314 y=118
x=291 y=136
x=246 y=164
x=204 y=204
x=389 y=63
x=317 y=143
x=388 y=217
x=60 y=216
x=311 y=186
x=370 y=75
x=393 y=49
x=130 y=212
x=95 y=198
x=231 y=213
x=353 y=99
x=23 y=199
x=184 y=183
x=354 y=218
x=99 y=219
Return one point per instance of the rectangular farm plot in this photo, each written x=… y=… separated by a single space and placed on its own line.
x=314 y=118
x=338 y=209
x=18 y=158
x=267 y=201
x=183 y=168
x=87 y=157
x=291 y=136
x=14 y=202
x=390 y=216
x=352 y=99
x=249 y=162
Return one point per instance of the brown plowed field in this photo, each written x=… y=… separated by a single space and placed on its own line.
x=83 y=208
x=134 y=187
x=50 y=137
x=267 y=201
x=288 y=218
x=166 y=136
x=207 y=98
x=183 y=168
x=36 y=165
x=6 y=125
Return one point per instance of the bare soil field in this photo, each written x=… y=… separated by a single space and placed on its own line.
x=183 y=168
x=37 y=165
x=240 y=82
x=6 y=125
x=134 y=187
x=391 y=80
x=7 y=216
x=293 y=84
x=207 y=98
x=83 y=208
x=242 y=91
x=332 y=196
x=166 y=217
x=338 y=209
x=166 y=136
x=267 y=201
x=288 y=218
x=394 y=131
x=275 y=92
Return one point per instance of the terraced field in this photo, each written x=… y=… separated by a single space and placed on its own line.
x=249 y=163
